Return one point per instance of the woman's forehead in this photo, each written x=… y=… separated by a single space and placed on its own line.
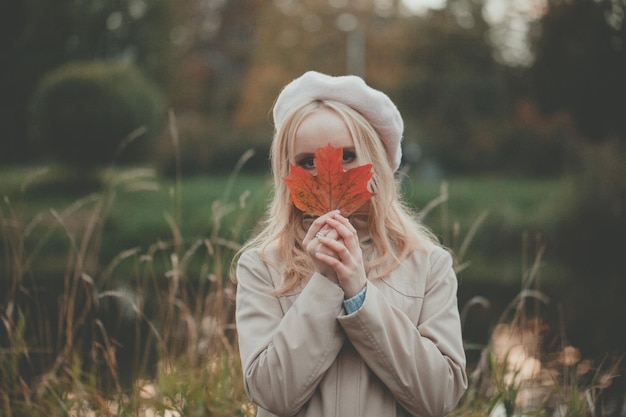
x=320 y=128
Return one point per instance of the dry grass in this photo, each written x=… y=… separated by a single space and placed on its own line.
x=150 y=333
x=175 y=298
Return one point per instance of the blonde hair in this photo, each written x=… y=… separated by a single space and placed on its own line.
x=394 y=229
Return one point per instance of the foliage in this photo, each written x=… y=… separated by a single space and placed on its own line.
x=226 y=62
x=455 y=96
x=468 y=112
x=580 y=61
x=593 y=220
x=39 y=36
x=508 y=149
x=207 y=147
x=589 y=239
x=85 y=112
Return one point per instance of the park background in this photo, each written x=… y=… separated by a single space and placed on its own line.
x=133 y=163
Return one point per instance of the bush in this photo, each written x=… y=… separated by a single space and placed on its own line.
x=207 y=147
x=594 y=221
x=590 y=238
x=85 y=112
x=502 y=148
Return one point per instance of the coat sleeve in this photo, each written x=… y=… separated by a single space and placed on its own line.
x=285 y=353
x=423 y=366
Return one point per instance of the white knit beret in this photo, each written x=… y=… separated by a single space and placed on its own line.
x=352 y=91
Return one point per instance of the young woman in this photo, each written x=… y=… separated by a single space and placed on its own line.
x=341 y=316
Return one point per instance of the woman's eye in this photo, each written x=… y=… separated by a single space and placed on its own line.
x=307 y=163
x=348 y=157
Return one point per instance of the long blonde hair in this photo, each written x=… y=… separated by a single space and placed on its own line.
x=394 y=229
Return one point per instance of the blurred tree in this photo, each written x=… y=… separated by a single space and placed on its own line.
x=39 y=36
x=335 y=37
x=457 y=98
x=589 y=239
x=579 y=69
x=213 y=43
x=580 y=65
x=464 y=95
x=13 y=77
x=455 y=92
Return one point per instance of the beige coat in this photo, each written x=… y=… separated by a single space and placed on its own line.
x=400 y=354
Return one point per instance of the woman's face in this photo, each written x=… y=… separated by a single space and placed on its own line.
x=317 y=130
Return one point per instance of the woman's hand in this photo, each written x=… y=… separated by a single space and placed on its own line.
x=338 y=249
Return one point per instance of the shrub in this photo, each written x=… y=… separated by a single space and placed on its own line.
x=84 y=113
x=590 y=238
x=208 y=147
x=534 y=153
x=595 y=221
x=502 y=148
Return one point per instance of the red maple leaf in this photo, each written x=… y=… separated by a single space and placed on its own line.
x=332 y=188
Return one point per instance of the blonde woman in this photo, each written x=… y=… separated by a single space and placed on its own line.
x=339 y=316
